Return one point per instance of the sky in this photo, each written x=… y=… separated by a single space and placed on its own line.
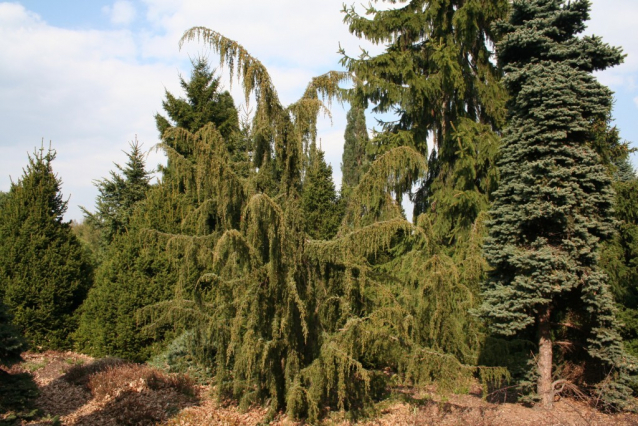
x=88 y=77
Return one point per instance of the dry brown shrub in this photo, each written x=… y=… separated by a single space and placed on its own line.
x=113 y=381
x=79 y=374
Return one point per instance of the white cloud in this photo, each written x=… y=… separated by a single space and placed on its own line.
x=90 y=92
x=122 y=12
x=614 y=21
x=82 y=90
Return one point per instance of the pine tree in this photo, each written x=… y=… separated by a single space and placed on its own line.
x=554 y=203
x=44 y=274
x=356 y=150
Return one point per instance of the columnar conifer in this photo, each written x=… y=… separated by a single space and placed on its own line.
x=356 y=150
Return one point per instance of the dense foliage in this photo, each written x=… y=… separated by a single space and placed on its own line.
x=243 y=265
x=12 y=344
x=554 y=202
x=44 y=272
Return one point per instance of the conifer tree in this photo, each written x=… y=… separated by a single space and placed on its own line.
x=619 y=256
x=437 y=77
x=198 y=195
x=554 y=202
x=12 y=343
x=308 y=324
x=44 y=273
x=356 y=150
x=119 y=194
x=319 y=202
x=205 y=103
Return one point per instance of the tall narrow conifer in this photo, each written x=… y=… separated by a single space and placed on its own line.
x=356 y=150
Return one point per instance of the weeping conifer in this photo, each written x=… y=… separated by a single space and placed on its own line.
x=553 y=205
x=437 y=77
x=310 y=324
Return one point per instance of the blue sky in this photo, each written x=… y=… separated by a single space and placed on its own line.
x=90 y=75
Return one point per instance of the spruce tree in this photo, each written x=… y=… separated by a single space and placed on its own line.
x=554 y=202
x=119 y=194
x=437 y=76
x=44 y=273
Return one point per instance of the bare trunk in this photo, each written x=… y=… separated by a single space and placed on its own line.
x=544 y=384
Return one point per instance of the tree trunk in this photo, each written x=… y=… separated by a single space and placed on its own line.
x=544 y=384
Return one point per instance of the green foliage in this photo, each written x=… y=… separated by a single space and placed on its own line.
x=133 y=275
x=44 y=272
x=17 y=396
x=619 y=258
x=319 y=203
x=304 y=323
x=356 y=150
x=118 y=196
x=437 y=77
x=205 y=103
x=197 y=196
x=554 y=202
x=12 y=343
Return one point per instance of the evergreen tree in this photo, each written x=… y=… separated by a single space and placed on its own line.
x=119 y=194
x=356 y=150
x=44 y=273
x=554 y=202
x=12 y=343
x=437 y=77
x=308 y=324
x=319 y=203
x=619 y=257
x=198 y=195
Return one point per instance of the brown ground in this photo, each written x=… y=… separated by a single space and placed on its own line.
x=80 y=391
